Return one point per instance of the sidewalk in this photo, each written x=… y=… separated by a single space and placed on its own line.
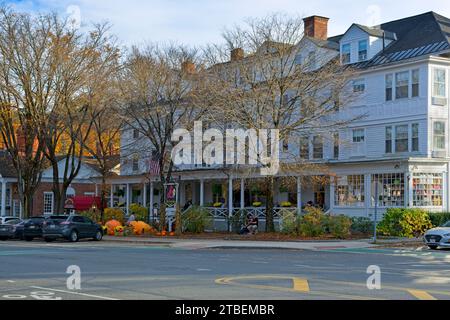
x=241 y=244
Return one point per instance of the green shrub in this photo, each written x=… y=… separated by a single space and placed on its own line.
x=289 y=223
x=414 y=223
x=399 y=222
x=114 y=214
x=362 y=225
x=339 y=226
x=312 y=224
x=140 y=213
x=390 y=225
x=196 y=220
x=439 y=218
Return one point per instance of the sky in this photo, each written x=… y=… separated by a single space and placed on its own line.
x=197 y=22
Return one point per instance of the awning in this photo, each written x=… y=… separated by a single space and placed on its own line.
x=86 y=203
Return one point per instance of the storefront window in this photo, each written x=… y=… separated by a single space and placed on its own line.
x=349 y=191
x=427 y=190
x=391 y=190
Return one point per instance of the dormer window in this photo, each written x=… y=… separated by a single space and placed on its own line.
x=346 y=49
x=362 y=50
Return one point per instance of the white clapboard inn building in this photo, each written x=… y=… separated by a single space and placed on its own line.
x=400 y=144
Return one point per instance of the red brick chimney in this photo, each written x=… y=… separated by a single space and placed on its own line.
x=188 y=67
x=237 y=54
x=316 y=27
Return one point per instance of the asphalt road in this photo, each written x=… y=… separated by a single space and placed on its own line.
x=128 y=271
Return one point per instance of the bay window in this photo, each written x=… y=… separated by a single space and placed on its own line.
x=428 y=189
x=391 y=191
x=349 y=191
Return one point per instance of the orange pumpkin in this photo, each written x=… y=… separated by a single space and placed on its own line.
x=158 y=234
x=164 y=233
x=172 y=234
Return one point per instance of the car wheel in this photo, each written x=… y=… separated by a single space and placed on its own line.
x=98 y=236
x=28 y=239
x=73 y=236
x=433 y=247
x=49 y=239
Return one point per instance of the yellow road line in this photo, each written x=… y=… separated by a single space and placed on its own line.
x=300 y=284
x=421 y=295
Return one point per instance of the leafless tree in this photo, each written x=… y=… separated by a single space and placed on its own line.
x=279 y=84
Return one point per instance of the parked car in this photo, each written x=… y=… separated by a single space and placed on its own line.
x=33 y=228
x=438 y=237
x=72 y=228
x=12 y=229
x=3 y=220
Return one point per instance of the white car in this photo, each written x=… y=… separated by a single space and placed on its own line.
x=3 y=220
x=438 y=237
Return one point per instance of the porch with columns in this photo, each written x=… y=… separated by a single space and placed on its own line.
x=222 y=196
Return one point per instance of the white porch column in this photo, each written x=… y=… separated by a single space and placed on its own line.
x=151 y=197
x=242 y=194
x=230 y=199
x=332 y=192
x=3 y=201
x=144 y=196
x=96 y=190
x=409 y=190
x=368 y=194
x=202 y=193
x=299 y=195
x=111 y=197
x=128 y=199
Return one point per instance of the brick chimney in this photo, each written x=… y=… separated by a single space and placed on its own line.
x=237 y=54
x=316 y=27
x=188 y=67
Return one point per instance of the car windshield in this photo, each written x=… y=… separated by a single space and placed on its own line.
x=13 y=222
x=447 y=225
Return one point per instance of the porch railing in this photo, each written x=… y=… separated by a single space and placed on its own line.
x=258 y=212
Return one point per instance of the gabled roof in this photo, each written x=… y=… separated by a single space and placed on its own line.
x=324 y=43
x=376 y=31
x=421 y=35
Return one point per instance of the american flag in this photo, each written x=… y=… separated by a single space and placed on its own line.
x=154 y=167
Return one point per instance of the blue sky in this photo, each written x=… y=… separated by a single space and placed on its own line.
x=197 y=22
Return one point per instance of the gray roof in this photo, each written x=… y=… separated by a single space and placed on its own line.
x=377 y=32
x=421 y=35
x=324 y=43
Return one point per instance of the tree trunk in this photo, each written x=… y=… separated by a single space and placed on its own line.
x=178 y=221
x=270 y=226
x=162 y=218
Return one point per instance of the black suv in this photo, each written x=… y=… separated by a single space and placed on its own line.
x=72 y=228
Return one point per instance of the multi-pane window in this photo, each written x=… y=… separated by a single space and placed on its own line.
x=304 y=148
x=439 y=83
x=349 y=191
x=439 y=135
x=389 y=79
x=415 y=137
x=346 y=48
x=336 y=145
x=388 y=145
x=358 y=135
x=48 y=202
x=359 y=85
x=391 y=190
x=317 y=147
x=401 y=138
x=428 y=190
x=362 y=50
x=415 y=83
x=402 y=85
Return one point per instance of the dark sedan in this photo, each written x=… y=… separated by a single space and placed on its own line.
x=72 y=228
x=12 y=229
x=33 y=228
